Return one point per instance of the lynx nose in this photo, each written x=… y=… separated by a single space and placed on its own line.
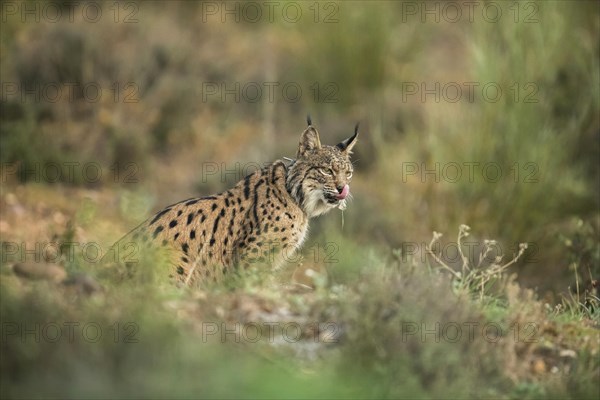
x=343 y=192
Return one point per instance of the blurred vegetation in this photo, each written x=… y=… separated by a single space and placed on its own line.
x=377 y=332
x=156 y=130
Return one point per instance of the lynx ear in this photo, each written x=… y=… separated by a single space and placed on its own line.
x=309 y=141
x=347 y=145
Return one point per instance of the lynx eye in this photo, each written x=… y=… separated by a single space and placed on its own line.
x=326 y=171
x=348 y=174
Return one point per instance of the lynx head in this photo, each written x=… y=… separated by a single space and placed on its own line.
x=319 y=177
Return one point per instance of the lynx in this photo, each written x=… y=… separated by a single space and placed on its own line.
x=263 y=218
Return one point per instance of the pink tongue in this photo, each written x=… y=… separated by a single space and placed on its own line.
x=344 y=193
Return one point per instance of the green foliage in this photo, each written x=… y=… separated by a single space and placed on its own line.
x=396 y=331
x=142 y=352
x=582 y=247
x=581 y=243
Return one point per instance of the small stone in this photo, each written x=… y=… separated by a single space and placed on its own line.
x=4 y=227
x=568 y=353
x=83 y=283
x=11 y=199
x=39 y=271
x=59 y=218
x=538 y=366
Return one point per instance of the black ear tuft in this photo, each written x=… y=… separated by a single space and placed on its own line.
x=349 y=143
x=308 y=120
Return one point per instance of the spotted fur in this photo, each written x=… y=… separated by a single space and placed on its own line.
x=261 y=220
